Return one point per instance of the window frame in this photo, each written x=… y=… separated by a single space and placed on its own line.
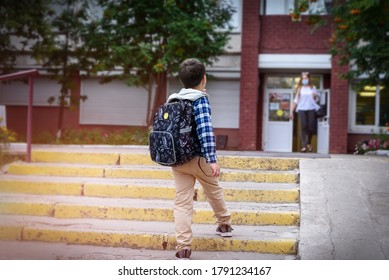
x=358 y=128
x=289 y=4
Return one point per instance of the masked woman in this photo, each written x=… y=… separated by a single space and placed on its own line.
x=305 y=105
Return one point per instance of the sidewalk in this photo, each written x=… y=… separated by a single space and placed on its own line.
x=344 y=208
x=344 y=201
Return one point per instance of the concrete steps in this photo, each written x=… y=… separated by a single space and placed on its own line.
x=141 y=188
x=145 y=172
x=121 y=199
x=140 y=157
x=27 y=250
x=137 y=234
x=142 y=209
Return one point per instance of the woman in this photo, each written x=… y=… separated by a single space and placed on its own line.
x=305 y=105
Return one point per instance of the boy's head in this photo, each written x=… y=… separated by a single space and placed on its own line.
x=191 y=72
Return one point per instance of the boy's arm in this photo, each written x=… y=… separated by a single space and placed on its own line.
x=202 y=113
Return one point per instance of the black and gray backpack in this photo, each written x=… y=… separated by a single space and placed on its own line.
x=173 y=140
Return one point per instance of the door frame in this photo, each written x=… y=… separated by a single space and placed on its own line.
x=266 y=122
x=265 y=101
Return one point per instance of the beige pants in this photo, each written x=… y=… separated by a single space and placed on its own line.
x=185 y=177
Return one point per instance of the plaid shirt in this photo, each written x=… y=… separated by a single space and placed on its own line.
x=203 y=119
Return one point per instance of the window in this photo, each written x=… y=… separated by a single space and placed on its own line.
x=236 y=20
x=282 y=7
x=384 y=108
x=279 y=82
x=289 y=82
x=369 y=109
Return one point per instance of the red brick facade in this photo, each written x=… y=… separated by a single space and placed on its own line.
x=339 y=109
x=249 y=76
x=279 y=35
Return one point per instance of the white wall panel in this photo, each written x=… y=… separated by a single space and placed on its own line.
x=224 y=100
x=3 y=116
x=16 y=92
x=113 y=103
x=295 y=61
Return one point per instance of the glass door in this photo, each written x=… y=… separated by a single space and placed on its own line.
x=278 y=132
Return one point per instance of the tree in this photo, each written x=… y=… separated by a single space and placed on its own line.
x=52 y=32
x=361 y=39
x=22 y=27
x=63 y=52
x=148 y=39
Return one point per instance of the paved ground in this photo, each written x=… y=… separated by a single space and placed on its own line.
x=344 y=207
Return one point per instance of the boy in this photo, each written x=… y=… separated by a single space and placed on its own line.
x=203 y=167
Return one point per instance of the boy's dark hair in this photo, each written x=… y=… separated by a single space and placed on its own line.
x=191 y=72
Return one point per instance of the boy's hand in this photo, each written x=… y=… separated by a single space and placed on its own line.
x=215 y=169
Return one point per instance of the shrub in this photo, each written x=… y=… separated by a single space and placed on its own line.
x=6 y=136
x=95 y=136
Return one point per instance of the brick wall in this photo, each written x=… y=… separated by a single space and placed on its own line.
x=339 y=109
x=249 y=76
x=279 y=35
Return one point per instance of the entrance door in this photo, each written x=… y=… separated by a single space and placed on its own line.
x=323 y=125
x=278 y=127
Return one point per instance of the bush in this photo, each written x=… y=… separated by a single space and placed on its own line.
x=95 y=136
x=6 y=136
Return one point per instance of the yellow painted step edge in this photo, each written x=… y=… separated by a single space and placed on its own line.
x=124 y=190
x=146 y=241
x=45 y=188
x=70 y=171
x=234 y=162
x=257 y=163
x=73 y=211
x=74 y=157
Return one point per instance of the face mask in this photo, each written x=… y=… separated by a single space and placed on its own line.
x=305 y=82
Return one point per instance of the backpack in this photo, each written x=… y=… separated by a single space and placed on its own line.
x=173 y=139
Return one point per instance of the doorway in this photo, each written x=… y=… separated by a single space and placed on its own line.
x=280 y=134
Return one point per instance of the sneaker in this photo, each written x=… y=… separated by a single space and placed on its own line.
x=183 y=254
x=224 y=230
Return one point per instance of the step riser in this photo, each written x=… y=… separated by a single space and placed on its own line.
x=69 y=157
x=147 y=241
x=69 y=171
x=248 y=163
x=144 y=159
x=72 y=211
x=134 y=191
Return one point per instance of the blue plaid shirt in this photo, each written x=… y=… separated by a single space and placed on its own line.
x=203 y=119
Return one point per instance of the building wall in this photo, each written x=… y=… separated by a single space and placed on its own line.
x=249 y=76
x=44 y=115
x=279 y=35
x=270 y=34
x=44 y=120
x=339 y=109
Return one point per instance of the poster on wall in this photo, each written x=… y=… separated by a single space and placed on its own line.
x=279 y=107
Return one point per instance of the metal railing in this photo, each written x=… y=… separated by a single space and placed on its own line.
x=30 y=74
